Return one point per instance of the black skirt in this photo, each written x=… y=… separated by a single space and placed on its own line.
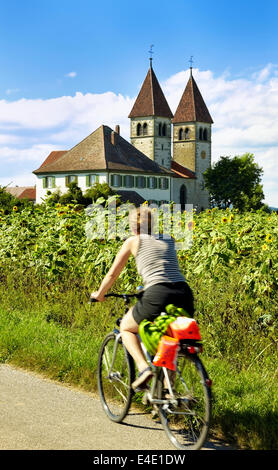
x=157 y=297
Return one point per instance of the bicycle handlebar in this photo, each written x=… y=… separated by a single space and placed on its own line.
x=125 y=297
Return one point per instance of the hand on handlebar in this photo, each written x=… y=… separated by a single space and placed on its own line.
x=96 y=297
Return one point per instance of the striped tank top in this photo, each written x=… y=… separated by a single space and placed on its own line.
x=157 y=261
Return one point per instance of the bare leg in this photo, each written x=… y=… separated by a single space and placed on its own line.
x=129 y=329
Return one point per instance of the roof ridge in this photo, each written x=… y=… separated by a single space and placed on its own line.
x=152 y=93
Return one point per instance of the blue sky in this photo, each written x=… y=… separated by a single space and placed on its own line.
x=56 y=49
x=107 y=43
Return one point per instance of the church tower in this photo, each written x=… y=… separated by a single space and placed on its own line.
x=192 y=136
x=150 y=121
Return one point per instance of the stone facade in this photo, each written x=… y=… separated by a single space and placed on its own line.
x=154 y=139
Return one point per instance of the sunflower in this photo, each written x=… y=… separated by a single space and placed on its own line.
x=264 y=247
x=15 y=208
x=224 y=219
x=231 y=218
x=191 y=225
x=268 y=238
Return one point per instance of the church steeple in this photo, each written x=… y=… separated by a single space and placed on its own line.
x=192 y=136
x=150 y=121
x=192 y=107
x=151 y=100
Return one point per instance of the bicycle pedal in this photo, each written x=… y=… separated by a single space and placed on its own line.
x=154 y=412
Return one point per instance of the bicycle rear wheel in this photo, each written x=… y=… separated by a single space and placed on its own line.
x=115 y=375
x=186 y=419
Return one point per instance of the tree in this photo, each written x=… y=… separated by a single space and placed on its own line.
x=75 y=195
x=235 y=181
x=98 y=190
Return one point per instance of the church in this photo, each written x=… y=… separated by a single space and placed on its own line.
x=164 y=160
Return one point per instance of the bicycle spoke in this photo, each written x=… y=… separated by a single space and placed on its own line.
x=185 y=419
x=115 y=373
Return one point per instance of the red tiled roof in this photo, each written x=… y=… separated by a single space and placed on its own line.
x=181 y=170
x=192 y=106
x=151 y=100
x=52 y=157
x=29 y=193
x=23 y=192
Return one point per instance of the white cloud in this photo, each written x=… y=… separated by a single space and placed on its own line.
x=71 y=74
x=244 y=111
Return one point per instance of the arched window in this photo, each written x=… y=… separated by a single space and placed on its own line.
x=180 y=133
x=186 y=133
x=139 y=129
x=159 y=129
x=164 y=129
x=201 y=134
x=145 y=128
x=183 y=196
x=205 y=134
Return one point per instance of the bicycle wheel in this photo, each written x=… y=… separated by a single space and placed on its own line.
x=115 y=375
x=186 y=419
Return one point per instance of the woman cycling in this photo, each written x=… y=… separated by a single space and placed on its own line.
x=164 y=284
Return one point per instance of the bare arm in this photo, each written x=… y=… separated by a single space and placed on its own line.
x=115 y=270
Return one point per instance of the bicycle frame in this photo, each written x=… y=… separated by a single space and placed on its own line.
x=151 y=394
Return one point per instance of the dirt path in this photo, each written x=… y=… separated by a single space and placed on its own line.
x=38 y=414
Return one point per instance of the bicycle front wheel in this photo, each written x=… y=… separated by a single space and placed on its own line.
x=115 y=375
x=186 y=417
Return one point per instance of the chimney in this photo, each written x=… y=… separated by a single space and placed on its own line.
x=113 y=138
x=117 y=129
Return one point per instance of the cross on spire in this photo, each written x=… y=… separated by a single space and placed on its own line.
x=151 y=53
x=191 y=62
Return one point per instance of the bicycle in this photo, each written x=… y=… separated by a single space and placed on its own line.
x=182 y=399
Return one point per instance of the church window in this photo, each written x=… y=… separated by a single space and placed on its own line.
x=116 y=181
x=139 y=129
x=128 y=181
x=163 y=183
x=145 y=128
x=205 y=134
x=164 y=130
x=71 y=179
x=180 y=133
x=160 y=129
x=162 y=146
x=48 y=182
x=200 y=134
x=152 y=182
x=186 y=133
x=91 y=180
x=140 y=182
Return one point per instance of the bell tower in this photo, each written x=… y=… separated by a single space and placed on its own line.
x=150 y=121
x=192 y=136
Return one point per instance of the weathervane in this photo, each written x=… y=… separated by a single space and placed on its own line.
x=151 y=53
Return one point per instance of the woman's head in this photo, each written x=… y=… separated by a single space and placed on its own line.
x=141 y=220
